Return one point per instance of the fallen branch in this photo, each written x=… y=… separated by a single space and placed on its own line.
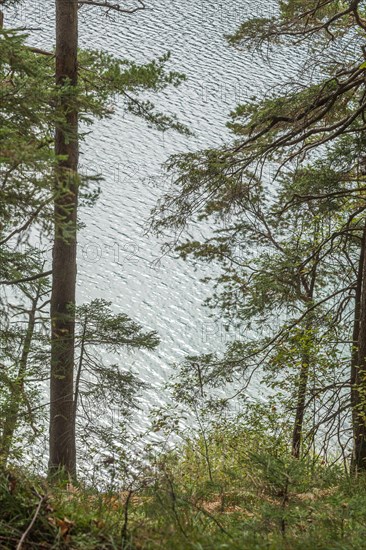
x=30 y=526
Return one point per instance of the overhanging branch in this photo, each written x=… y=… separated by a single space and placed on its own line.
x=27 y=279
x=111 y=6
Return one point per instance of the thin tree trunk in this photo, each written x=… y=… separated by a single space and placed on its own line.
x=303 y=376
x=301 y=396
x=79 y=369
x=358 y=365
x=62 y=429
x=300 y=406
x=12 y=413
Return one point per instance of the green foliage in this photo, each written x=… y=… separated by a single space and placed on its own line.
x=286 y=270
x=103 y=78
x=26 y=151
x=31 y=109
x=296 y=22
x=286 y=199
x=99 y=326
x=260 y=498
x=104 y=388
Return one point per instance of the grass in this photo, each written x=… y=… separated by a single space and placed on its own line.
x=232 y=493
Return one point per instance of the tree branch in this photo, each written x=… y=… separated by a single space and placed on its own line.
x=27 y=279
x=30 y=526
x=110 y=6
x=25 y=226
x=41 y=52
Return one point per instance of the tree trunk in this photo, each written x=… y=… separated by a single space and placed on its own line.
x=303 y=375
x=12 y=412
x=62 y=429
x=300 y=406
x=358 y=366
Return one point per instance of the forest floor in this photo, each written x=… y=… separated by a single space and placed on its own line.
x=232 y=500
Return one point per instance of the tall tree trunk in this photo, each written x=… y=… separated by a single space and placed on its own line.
x=62 y=429
x=358 y=365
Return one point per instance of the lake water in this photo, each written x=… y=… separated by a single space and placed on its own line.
x=117 y=260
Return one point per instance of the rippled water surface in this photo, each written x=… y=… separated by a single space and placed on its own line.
x=117 y=260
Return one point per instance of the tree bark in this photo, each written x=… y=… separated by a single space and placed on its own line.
x=302 y=387
x=358 y=365
x=300 y=406
x=301 y=392
x=62 y=447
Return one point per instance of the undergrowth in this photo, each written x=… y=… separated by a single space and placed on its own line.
x=226 y=490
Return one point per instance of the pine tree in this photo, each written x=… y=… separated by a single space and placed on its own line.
x=40 y=168
x=280 y=132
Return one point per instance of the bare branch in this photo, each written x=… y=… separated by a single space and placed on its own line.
x=41 y=52
x=30 y=526
x=26 y=225
x=111 y=6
